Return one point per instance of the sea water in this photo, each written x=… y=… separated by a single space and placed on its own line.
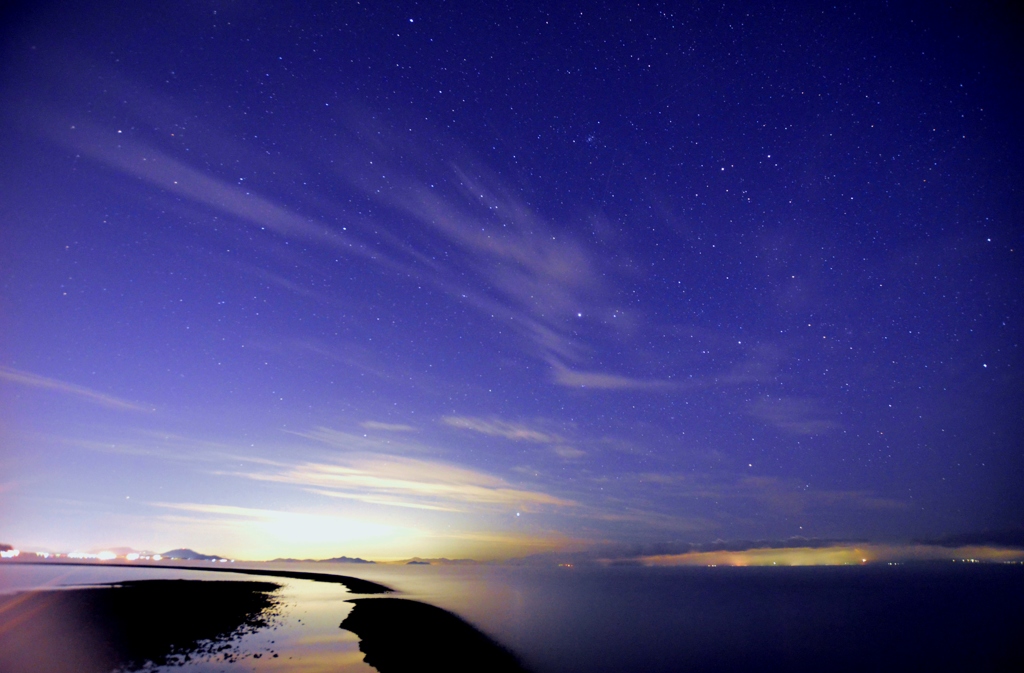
x=933 y=617
x=566 y=620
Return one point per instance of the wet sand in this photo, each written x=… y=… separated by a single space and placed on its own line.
x=353 y=584
x=398 y=635
x=124 y=625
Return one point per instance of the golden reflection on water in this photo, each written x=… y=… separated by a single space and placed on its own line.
x=305 y=634
x=587 y=618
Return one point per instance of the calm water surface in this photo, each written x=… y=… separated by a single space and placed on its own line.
x=653 y=619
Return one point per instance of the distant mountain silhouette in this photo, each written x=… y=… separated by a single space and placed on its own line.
x=416 y=560
x=338 y=559
x=189 y=555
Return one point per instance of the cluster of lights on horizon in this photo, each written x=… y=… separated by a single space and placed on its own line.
x=891 y=555
x=841 y=555
x=101 y=556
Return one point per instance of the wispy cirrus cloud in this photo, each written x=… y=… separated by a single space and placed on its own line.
x=387 y=427
x=794 y=415
x=519 y=265
x=788 y=497
x=515 y=266
x=603 y=381
x=476 y=239
x=499 y=428
x=362 y=443
x=219 y=510
x=382 y=500
x=81 y=392
x=568 y=452
x=516 y=432
x=407 y=482
x=160 y=169
x=759 y=364
x=775 y=495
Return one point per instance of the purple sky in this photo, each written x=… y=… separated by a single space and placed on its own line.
x=390 y=279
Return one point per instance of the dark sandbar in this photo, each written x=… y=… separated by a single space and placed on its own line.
x=353 y=584
x=399 y=636
x=124 y=625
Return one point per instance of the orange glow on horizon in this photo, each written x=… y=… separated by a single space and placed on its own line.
x=838 y=555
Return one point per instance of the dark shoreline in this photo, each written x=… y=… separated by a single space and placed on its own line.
x=397 y=635
x=124 y=625
x=97 y=628
x=353 y=584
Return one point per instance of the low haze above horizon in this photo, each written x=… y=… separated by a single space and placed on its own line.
x=397 y=280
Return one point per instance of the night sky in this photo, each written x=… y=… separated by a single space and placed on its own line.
x=396 y=279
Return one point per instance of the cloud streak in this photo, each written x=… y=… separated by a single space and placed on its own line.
x=793 y=415
x=477 y=241
x=516 y=432
x=523 y=269
x=387 y=427
x=160 y=170
x=408 y=482
x=81 y=392
x=600 y=381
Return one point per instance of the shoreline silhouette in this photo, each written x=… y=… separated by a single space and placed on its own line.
x=353 y=584
x=397 y=635
x=124 y=625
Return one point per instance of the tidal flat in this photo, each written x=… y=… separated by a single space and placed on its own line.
x=129 y=625
x=57 y=617
x=273 y=624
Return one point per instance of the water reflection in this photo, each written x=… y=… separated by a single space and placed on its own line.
x=126 y=626
x=55 y=631
x=637 y=619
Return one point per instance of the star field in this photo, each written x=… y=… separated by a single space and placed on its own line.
x=408 y=280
